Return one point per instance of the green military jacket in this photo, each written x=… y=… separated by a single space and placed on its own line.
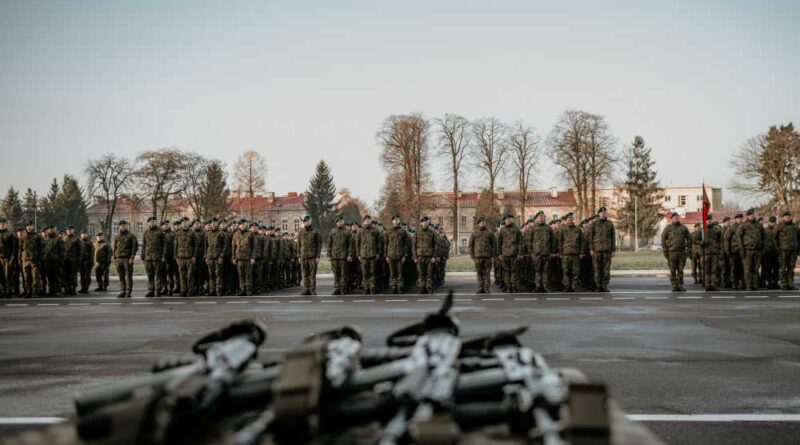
x=444 y=245
x=102 y=254
x=424 y=243
x=200 y=242
x=770 y=241
x=788 y=237
x=340 y=244
x=8 y=244
x=542 y=240
x=509 y=241
x=368 y=243
x=602 y=237
x=243 y=245
x=277 y=248
x=733 y=245
x=185 y=243
x=570 y=240
x=53 y=248
x=226 y=238
x=169 y=245
x=215 y=244
x=714 y=242
x=125 y=245
x=675 y=239
x=750 y=236
x=695 y=241
x=87 y=251
x=291 y=249
x=31 y=247
x=72 y=248
x=153 y=244
x=309 y=243
x=482 y=244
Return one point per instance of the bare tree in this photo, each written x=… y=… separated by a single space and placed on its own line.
x=524 y=149
x=489 y=149
x=454 y=141
x=601 y=155
x=250 y=173
x=160 y=176
x=566 y=144
x=405 y=150
x=108 y=176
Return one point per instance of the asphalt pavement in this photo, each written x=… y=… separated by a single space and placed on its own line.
x=695 y=367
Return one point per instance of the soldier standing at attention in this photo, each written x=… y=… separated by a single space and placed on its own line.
x=340 y=252
x=482 y=246
x=602 y=244
x=497 y=260
x=185 y=256
x=72 y=254
x=712 y=247
x=750 y=239
x=736 y=255
x=570 y=244
x=215 y=245
x=424 y=245
x=725 y=256
x=86 y=260
x=102 y=262
x=368 y=248
x=676 y=242
x=199 y=269
x=31 y=250
x=769 y=259
x=787 y=237
x=153 y=256
x=541 y=248
x=509 y=241
x=8 y=258
x=398 y=251
x=695 y=249
x=169 y=269
x=309 y=249
x=125 y=247
x=243 y=245
x=53 y=261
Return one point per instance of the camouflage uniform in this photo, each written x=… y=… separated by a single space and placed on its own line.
x=712 y=248
x=53 y=263
x=769 y=258
x=200 y=270
x=185 y=243
x=8 y=260
x=85 y=262
x=340 y=251
x=696 y=250
x=169 y=270
x=243 y=246
x=368 y=249
x=676 y=242
x=31 y=248
x=482 y=248
x=542 y=245
x=788 y=242
x=125 y=247
x=424 y=249
x=153 y=257
x=602 y=241
x=398 y=251
x=750 y=240
x=102 y=263
x=215 y=247
x=72 y=255
x=309 y=248
x=735 y=256
x=509 y=241
x=570 y=244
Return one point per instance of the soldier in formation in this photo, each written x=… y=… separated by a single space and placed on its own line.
x=9 y=246
x=309 y=248
x=509 y=241
x=571 y=244
x=602 y=240
x=424 y=254
x=482 y=248
x=102 y=262
x=398 y=252
x=676 y=244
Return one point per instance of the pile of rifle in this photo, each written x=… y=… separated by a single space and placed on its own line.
x=429 y=386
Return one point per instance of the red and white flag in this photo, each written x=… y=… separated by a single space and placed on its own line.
x=706 y=209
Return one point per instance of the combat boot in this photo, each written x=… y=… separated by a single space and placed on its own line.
x=336 y=292
x=149 y=294
x=305 y=292
x=121 y=294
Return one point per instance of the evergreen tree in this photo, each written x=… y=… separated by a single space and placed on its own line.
x=48 y=212
x=350 y=212
x=643 y=192
x=30 y=205
x=214 y=190
x=11 y=208
x=319 y=199
x=487 y=207
x=71 y=205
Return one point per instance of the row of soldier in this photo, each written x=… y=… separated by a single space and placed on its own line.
x=743 y=253
x=540 y=256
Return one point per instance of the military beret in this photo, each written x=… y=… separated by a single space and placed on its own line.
x=100 y=234
x=481 y=219
x=540 y=212
x=738 y=216
x=751 y=211
x=509 y=216
x=366 y=217
x=787 y=213
x=84 y=231
x=726 y=219
x=602 y=209
x=164 y=222
x=253 y=224
x=396 y=217
x=70 y=227
x=3 y=219
x=673 y=215
x=423 y=218
x=760 y=218
x=123 y=222
x=29 y=223
x=339 y=218
x=215 y=219
x=569 y=215
x=709 y=217
x=305 y=218
x=773 y=219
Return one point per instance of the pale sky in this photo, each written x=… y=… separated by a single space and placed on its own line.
x=301 y=81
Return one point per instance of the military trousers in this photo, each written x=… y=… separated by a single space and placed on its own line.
x=676 y=261
x=787 y=260
x=737 y=268
x=483 y=268
x=308 y=267
x=70 y=276
x=186 y=275
x=215 y=275
x=510 y=272
x=396 y=278
x=751 y=261
x=571 y=265
x=697 y=271
x=425 y=272
x=601 y=261
x=52 y=276
x=725 y=269
x=86 y=275
x=339 y=268
x=368 y=273
x=101 y=276
x=153 y=271
x=30 y=277
x=229 y=275
x=169 y=275
x=125 y=272
x=7 y=271
x=711 y=270
x=541 y=263
x=245 y=269
x=769 y=269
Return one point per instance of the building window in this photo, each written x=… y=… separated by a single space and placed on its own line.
x=297 y=224
x=463 y=221
x=604 y=201
x=284 y=224
x=681 y=200
x=555 y=215
x=451 y=221
x=441 y=220
x=667 y=198
x=698 y=198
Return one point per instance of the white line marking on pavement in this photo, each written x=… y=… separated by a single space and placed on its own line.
x=300 y=301
x=174 y=302
x=526 y=299
x=142 y=303
x=77 y=304
x=31 y=420
x=493 y=299
x=690 y=298
x=788 y=296
x=363 y=301
x=590 y=298
x=332 y=301
x=462 y=299
x=756 y=296
x=557 y=299
x=715 y=417
x=396 y=301
x=237 y=302
x=722 y=298
x=16 y=304
x=46 y=304
x=656 y=298
x=205 y=302
x=428 y=300
x=110 y=304
x=623 y=298
x=267 y=302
